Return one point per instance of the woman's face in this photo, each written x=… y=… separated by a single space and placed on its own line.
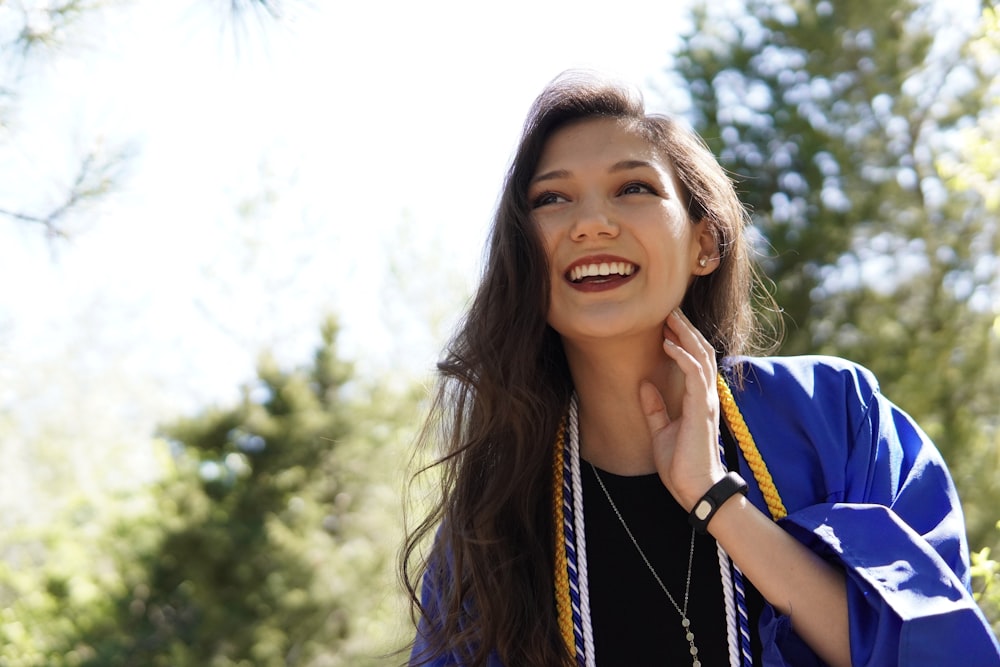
x=621 y=248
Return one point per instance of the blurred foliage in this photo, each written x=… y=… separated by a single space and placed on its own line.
x=863 y=135
x=986 y=584
x=270 y=542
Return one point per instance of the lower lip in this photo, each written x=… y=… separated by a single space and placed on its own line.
x=601 y=285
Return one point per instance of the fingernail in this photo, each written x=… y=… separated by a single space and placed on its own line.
x=667 y=341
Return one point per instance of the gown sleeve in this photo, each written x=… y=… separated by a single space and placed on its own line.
x=434 y=582
x=430 y=601
x=866 y=489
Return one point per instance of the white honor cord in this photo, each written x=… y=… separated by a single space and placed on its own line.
x=727 y=593
x=725 y=568
x=581 y=534
x=726 y=574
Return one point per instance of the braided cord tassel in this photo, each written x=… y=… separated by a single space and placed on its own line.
x=726 y=575
x=744 y=620
x=579 y=581
x=734 y=594
x=564 y=607
x=738 y=426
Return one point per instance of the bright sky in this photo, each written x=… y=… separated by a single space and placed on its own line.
x=358 y=136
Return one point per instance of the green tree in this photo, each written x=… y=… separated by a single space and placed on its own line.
x=986 y=584
x=837 y=118
x=233 y=569
x=271 y=542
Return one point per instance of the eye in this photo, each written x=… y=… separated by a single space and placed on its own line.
x=637 y=188
x=547 y=198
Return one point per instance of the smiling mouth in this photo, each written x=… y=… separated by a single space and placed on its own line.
x=600 y=272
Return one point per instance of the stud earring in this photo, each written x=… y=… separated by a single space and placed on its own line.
x=703 y=262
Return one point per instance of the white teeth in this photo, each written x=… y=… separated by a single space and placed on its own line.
x=602 y=269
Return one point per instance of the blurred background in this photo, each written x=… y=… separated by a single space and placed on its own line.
x=234 y=236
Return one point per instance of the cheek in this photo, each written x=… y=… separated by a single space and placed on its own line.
x=548 y=241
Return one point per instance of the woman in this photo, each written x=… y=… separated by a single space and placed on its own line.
x=594 y=397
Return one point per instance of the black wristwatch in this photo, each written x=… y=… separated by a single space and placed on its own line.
x=721 y=491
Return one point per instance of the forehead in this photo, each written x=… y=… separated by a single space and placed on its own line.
x=593 y=141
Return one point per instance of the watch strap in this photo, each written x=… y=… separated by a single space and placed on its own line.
x=721 y=491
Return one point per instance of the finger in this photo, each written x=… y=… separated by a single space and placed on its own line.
x=699 y=374
x=653 y=407
x=690 y=362
x=690 y=336
x=668 y=334
x=681 y=356
x=693 y=340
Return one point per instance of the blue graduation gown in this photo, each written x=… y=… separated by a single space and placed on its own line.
x=865 y=488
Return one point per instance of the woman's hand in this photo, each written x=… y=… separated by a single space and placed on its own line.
x=686 y=453
x=686 y=449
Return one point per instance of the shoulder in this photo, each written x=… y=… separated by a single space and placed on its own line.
x=814 y=419
x=810 y=377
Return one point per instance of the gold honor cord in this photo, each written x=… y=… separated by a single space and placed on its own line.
x=734 y=419
x=564 y=606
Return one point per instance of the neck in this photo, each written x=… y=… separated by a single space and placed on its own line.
x=607 y=374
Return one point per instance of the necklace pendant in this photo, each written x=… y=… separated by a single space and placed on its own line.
x=689 y=636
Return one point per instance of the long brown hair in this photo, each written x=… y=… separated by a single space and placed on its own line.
x=505 y=384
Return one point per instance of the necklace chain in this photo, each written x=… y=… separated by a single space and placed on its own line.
x=571 y=553
x=685 y=621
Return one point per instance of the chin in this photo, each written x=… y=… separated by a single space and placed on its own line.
x=607 y=331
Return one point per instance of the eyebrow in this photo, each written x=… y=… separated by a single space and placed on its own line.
x=623 y=165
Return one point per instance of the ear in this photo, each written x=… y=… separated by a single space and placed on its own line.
x=704 y=249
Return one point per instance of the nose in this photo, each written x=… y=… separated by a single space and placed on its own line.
x=592 y=221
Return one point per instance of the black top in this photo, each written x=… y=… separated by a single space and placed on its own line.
x=633 y=620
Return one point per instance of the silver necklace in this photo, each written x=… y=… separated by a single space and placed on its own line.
x=685 y=621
